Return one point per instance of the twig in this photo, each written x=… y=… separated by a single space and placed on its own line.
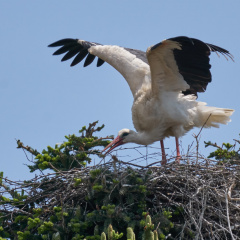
x=228 y=220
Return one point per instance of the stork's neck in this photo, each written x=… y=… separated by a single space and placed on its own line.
x=142 y=138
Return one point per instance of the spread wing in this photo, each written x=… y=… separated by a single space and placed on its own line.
x=131 y=63
x=182 y=64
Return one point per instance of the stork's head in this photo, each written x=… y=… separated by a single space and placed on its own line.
x=124 y=136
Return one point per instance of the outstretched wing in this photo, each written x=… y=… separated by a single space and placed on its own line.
x=182 y=64
x=131 y=63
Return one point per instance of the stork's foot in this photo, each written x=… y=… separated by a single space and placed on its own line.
x=177 y=160
x=164 y=159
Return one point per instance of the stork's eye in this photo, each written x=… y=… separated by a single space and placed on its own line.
x=125 y=134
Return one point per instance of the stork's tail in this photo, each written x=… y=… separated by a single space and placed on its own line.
x=213 y=116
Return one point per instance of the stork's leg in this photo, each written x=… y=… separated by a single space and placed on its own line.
x=178 y=151
x=164 y=160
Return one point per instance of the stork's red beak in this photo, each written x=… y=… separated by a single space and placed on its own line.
x=115 y=143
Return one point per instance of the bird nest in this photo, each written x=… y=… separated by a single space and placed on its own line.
x=207 y=193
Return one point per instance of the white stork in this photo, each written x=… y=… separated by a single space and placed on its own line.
x=164 y=82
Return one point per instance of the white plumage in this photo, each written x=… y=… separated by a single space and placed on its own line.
x=164 y=82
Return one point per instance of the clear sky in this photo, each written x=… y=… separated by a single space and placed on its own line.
x=42 y=99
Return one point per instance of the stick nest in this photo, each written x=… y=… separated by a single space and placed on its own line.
x=207 y=193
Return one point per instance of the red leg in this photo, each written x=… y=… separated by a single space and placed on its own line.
x=164 y=160
x=178 y=151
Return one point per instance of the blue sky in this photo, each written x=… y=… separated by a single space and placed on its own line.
x=42 y=99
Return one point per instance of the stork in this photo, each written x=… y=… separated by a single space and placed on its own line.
x=164 y=82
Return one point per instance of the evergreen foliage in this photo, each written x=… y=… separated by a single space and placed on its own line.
x=105 y=201
x=73 y=153
x=225 y=153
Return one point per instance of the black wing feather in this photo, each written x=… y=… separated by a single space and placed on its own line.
x=193 y=62
x=89 y=60
x=65 y=48
x=100 y=62
x=71 y=53
x=74 y=47
x=223 y=51
x=62 y=42
x=79 y=57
